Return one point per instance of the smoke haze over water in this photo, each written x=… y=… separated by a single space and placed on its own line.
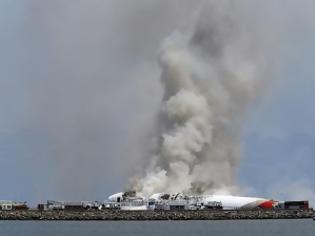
x=95 y=77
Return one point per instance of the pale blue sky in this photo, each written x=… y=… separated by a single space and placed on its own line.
x=41 y=41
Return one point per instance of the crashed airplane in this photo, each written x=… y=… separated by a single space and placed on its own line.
x=137 y=201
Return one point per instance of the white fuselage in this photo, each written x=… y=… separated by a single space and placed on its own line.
x=236 y=202
x=228 y=202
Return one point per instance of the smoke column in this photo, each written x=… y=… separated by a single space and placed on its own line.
x=211 y=74
x=94 y=75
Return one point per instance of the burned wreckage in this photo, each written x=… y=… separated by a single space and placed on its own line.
x=178 y=201
x=132 y=200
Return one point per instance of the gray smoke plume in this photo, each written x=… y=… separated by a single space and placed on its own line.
x=211 y=73
x=94 y=76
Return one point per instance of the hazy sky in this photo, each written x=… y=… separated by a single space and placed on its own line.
x=79 y=83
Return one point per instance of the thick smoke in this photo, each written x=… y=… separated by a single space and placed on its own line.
x=94 y=75
x=77 y=76
x=211 y=73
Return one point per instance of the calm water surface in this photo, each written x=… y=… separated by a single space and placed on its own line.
x=174 y=228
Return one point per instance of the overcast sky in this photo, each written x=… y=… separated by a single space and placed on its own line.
x=79 y=83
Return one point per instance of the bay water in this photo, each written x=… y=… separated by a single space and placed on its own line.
x=175 y=228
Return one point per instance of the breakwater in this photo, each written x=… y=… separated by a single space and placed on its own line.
x=155 y=215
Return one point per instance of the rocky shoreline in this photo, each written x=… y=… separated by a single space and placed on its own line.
x=112 y=215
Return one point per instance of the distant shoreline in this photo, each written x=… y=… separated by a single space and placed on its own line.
x=118 y=215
